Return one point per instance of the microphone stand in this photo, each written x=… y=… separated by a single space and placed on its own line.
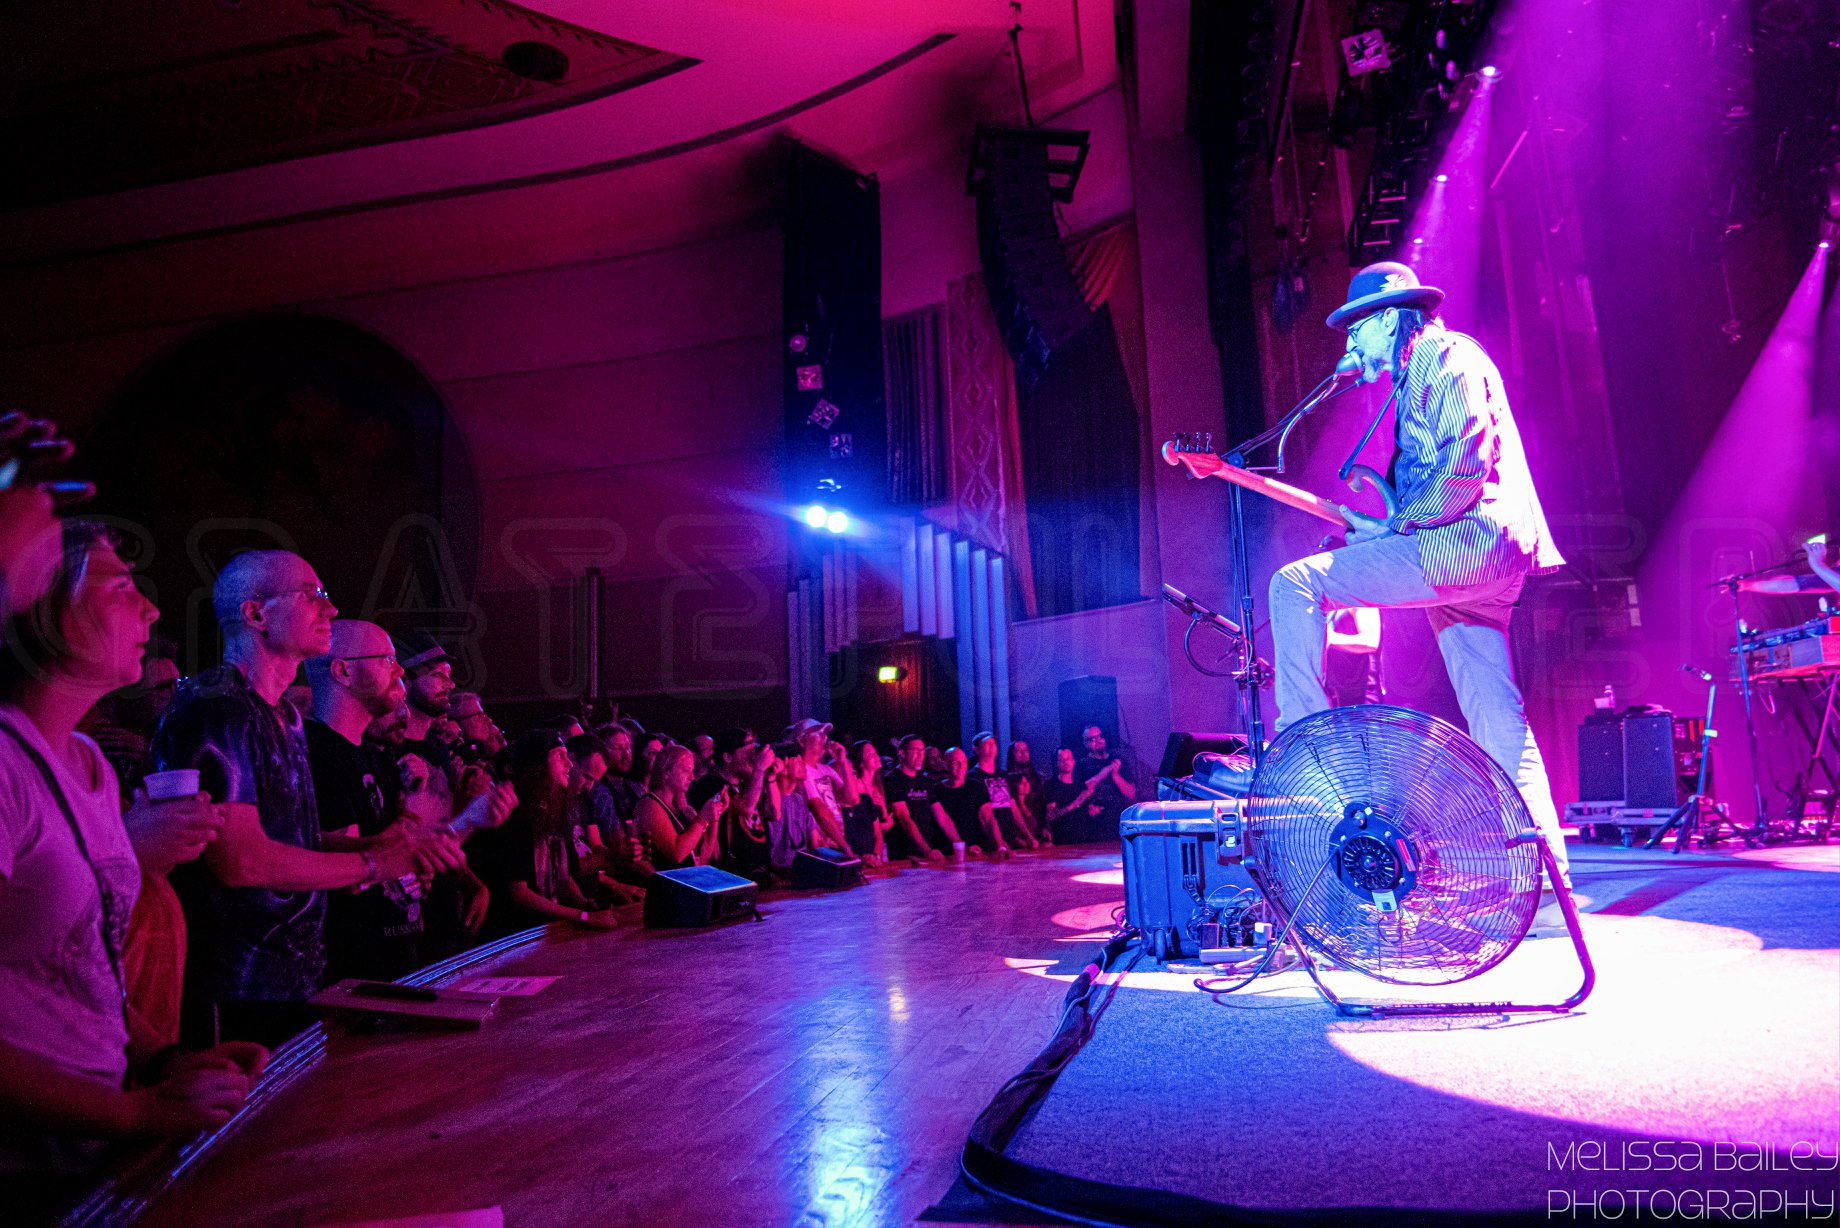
x=1328 y=390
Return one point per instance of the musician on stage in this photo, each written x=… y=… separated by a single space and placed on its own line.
x=1467 y=534
x=1822 y=578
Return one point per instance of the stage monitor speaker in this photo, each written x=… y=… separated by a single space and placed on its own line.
x=1092 y=700
x=1600 y=760
x=1651 y=780
x=1179 y=754
x=826 y=869
x=1033 y=292
x=697 y=896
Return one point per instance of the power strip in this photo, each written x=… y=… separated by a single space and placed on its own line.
x=1229 y=944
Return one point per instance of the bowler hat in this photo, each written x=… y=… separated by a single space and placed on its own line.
x=1378 y=286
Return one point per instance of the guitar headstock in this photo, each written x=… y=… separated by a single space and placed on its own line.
x=1194 y=451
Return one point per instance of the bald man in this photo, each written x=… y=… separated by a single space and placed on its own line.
x=255 y=907
x=377 y=932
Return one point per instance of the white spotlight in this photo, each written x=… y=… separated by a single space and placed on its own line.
x=837 y=522
x=816 y=515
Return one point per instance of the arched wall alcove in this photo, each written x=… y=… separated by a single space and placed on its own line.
x=294 y=431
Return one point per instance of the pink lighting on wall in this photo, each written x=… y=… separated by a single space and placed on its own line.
x=1447 y=231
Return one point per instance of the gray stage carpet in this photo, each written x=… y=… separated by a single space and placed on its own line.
x=1703 y=1073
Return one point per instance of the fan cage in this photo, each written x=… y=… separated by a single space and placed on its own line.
x=1478 y=881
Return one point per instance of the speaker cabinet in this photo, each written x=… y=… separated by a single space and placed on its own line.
x=1179 y=754
x=697 y=896
x=1032 y=289
x=1630 y=759
x=826 y=869
x=1651 y=780
x=1600 y=760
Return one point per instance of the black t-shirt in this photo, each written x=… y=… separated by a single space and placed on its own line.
x=245 y=944
x=961 y=804
x=515 y=853
x=919 y=792
x=375 y=932
x=1062 y=792
x=916 y=791
x=1106 y=795
x=996 y=787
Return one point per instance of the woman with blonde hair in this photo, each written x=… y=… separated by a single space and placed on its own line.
x=675 y=834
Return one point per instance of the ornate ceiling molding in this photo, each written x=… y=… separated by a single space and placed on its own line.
x=157 y=93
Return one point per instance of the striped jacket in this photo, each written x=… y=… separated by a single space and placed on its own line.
x=1460 y=472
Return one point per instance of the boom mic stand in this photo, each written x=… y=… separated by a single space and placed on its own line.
x=1328 y=390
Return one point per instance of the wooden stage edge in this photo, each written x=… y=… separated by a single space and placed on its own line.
x=820 y=1068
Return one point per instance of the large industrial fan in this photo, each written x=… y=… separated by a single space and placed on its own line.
x=1387 y=842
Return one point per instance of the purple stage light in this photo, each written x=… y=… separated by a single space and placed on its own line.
x=1490 y=71
x=1443 y=178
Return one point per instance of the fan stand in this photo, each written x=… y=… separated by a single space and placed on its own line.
x=1409 y=1010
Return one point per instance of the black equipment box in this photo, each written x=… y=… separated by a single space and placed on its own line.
x=1171 y=863
x=696 y=896
x=826 y=869
x=1639 y=759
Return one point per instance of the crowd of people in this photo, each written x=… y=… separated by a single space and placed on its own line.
x=353 y=814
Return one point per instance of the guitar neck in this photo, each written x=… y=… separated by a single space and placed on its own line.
x=1283 y=492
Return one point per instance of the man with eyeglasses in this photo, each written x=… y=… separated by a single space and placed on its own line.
x=375 y=932
x=480 y=736
x=255 y=903
x=1112 y=788
x=1467 y=533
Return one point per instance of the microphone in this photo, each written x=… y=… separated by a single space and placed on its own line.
x=1348 y=368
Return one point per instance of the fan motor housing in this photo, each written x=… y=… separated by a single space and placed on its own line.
x=1373 y=858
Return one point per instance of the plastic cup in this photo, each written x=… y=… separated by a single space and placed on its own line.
x=958 y=850
x=171 y=786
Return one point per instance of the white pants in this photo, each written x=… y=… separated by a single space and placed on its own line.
x=1471 y=625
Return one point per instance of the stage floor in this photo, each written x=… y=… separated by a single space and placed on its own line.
x=823 y=1068
x=820 y=1068
x=1713 y=1035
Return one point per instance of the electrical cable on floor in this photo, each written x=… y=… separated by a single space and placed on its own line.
x=1209 y=985
x=988 y=1170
